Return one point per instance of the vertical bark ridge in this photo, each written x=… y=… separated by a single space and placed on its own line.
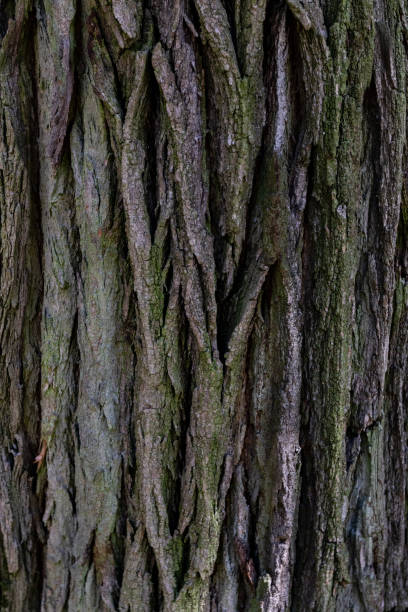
x=394 y=446
x=379 y=238
x=58 y=333
x=20 y=304
x=335 y=193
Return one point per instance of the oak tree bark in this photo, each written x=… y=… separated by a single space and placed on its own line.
x=203 y=305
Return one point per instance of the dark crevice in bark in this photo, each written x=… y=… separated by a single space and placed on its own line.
x=306 y=255
x=402 y=232
x=304 y=542
x=210 y=154
x=128 y=431
x=252 y=565
x=267 y=295
x=119 y=537
x=352 y=446
x=72 y=442
x=275 y=12
x=157 y=598
x=7 y=12
x=79 y=62
x=228 y=310
x=36 y=232
x=190 y=12
x=169 y=276
x=298 y=97
x=304 y=532
x=370 y=230
x=230 y=7
x=151 y=135
x=181 y=442
x=185 y=562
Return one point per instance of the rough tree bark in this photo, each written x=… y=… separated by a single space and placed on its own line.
x=203 y=305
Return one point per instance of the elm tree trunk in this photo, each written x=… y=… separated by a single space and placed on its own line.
x=203 y=305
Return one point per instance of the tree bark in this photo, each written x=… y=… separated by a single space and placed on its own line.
x=203 y=305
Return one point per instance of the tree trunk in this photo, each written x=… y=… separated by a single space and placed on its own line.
x=203 y=305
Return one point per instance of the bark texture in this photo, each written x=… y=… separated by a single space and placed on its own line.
x=203 y=305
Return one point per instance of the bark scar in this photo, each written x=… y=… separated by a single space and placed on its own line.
x=41 y=456
x=246 y=562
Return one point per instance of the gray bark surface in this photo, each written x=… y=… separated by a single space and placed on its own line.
x=203 y=305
